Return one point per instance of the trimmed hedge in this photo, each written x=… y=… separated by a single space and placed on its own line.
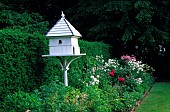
x=22 y=66
x=95 y=48
x=21 y=62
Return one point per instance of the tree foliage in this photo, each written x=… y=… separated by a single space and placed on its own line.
x=49 y=9
x=124 y=24
x=24 y=20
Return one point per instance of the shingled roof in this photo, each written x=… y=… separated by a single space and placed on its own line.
x=63 y=28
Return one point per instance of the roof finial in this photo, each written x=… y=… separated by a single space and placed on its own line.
x=62 y=14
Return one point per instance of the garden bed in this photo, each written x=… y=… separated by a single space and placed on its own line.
x=99 y=86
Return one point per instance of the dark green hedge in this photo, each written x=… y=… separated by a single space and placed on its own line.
x=95 y=48
x=22 y=66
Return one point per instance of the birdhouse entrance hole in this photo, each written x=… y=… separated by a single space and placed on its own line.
x=60 y=41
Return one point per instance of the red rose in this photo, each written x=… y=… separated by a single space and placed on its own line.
x=111 y=74
x=113 y=71
x=121 y=79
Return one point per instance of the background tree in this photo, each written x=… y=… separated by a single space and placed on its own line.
x=126 y=25
x=131 y=27
x=49 y=9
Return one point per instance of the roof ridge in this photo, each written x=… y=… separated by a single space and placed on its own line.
x=63 y=28
x=68 y=26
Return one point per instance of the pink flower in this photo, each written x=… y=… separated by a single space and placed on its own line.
x=121 y=79
x=125 y=58
x=128 y=58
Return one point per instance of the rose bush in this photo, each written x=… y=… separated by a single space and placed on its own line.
x=126 y=75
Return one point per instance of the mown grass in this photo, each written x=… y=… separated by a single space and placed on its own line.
x=158 y=99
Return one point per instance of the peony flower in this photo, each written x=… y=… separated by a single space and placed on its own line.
x=128 y=58
x=111 y=73
x=121 y=79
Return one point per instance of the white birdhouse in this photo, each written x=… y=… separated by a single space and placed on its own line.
x=63 y=38
x=63 y=43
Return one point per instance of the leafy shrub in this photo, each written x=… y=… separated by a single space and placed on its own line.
x=51 y=94
x=112 y=98
x=59 y=98
x=95 y=49
x=131 y=98
x=97 y=99
x=22 y=66
x=21 y=101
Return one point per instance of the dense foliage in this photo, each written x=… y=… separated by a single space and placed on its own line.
x=115 y=85
x=27 y=22
x=95 y=48
x=22 y=66
x=30 y=82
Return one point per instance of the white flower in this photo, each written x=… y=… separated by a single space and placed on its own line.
x=95 y=79
x=87 y=84
x=138 y=80
x=77 y=96
x=92 y=76
x=97 y=82
x=92 y=83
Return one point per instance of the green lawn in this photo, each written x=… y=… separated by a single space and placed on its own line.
x=158 y=99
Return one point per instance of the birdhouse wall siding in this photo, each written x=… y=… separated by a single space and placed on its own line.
x=77 y=49
x=74 y=41
x=55 y=41
x=63 y=46
x=63 y=50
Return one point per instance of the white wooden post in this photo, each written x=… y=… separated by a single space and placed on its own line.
x=65 y=72
x=65 y=66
